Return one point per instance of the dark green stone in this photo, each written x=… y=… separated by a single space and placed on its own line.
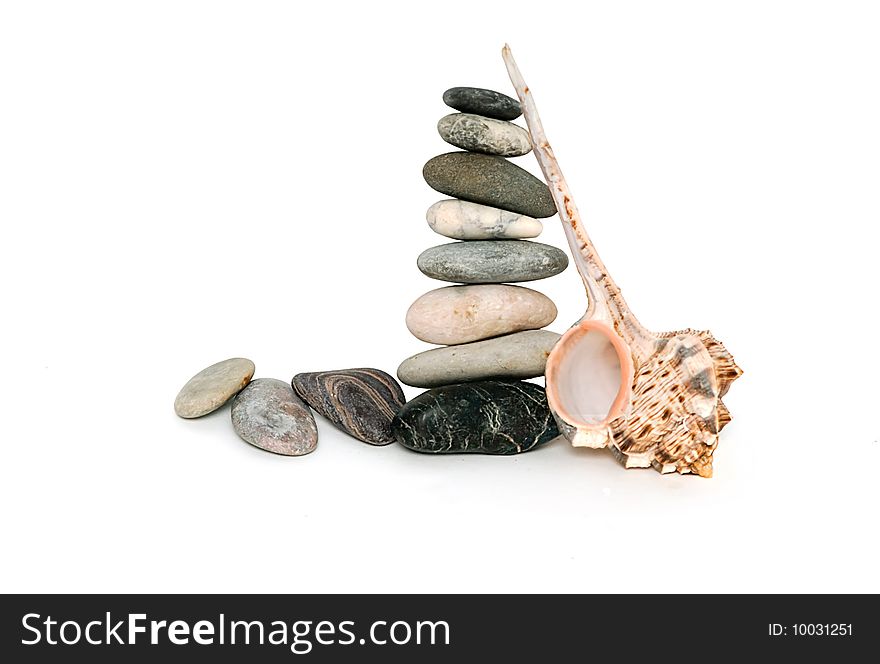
x=483 y=102
x=488 y=417
x=490 y=180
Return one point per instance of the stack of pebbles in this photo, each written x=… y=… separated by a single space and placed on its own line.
x=491 y=329
x=478 y=401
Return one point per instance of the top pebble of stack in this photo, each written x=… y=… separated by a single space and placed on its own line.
x=484 y=102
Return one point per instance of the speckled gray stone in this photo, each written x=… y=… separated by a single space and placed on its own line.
x=492 y=261
x=360 y=402
x=490 y=180
x=212 y=387
x=476 y=133
x=482 y=102
x=268 y=414
x=518 y=355
x=488 y=417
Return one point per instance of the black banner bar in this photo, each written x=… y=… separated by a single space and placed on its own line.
x=436 y=628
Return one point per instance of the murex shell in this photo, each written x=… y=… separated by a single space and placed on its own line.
x=653 y=399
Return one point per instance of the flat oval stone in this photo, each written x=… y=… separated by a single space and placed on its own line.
x=212 y=387
x=490 y=180
x=492 y=261
x=477 y=133
x=463 y=220
x=488 y=417
x=459 y=314
x=361 y=402
x=517 y=355
x=483 y=102
x=268 y=414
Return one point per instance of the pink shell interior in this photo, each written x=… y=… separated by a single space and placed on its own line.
x=589 y=376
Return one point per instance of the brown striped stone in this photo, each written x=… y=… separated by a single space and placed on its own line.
x=361 y=402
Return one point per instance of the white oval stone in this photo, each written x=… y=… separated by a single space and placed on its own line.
x=459 y=314
x=476 y=133
x=462 y=220
x=212 y=387
x=518 y=355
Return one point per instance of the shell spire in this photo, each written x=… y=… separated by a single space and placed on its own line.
x=605 y=301
x=653 y=399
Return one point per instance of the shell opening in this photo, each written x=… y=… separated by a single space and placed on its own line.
x=589 y=375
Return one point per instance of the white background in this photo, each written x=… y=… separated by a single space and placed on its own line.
x=182 y=182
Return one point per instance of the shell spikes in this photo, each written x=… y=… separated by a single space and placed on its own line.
x=653 y=399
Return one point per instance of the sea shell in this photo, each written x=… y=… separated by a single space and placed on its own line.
x=652 y=399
